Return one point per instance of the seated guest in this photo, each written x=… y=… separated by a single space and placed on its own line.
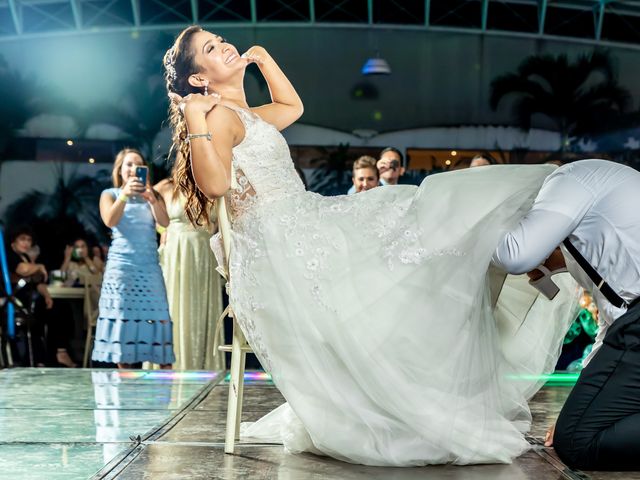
x=79 y=265
x=82 y=268
x=28 y=278
x=365 y=174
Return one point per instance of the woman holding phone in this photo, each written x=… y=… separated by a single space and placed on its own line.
x=134 y=324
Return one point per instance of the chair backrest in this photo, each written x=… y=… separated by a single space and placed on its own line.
x=224 y=227
x=90 y=306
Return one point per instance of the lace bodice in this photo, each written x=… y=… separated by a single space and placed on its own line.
x=262 y=166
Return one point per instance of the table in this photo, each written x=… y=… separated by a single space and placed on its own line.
x=59 y=292
x=65 y=292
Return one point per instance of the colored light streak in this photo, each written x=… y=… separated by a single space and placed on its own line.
x=168 y=375
x=556 y=378
x=252 y=377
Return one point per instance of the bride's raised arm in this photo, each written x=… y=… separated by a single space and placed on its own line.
x=286 y=106
x=210 y=158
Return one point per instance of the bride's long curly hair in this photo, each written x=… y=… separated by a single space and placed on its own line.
x=179 y=64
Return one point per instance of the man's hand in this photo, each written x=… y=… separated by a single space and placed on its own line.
x=554 y=262
x=548 y=438
x=383 y=165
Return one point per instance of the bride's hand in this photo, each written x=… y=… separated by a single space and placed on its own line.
x=196 y=102
x=255 y=54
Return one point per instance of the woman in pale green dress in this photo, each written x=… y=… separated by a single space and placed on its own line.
x=194 y=287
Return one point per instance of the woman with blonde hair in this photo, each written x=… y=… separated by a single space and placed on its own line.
x=372 y=312
x=133 y=323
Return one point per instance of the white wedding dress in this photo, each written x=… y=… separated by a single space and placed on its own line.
x=374 y=313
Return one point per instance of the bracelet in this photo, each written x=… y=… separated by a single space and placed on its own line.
x=191 y=136
x=160 y=229
x=123 y=198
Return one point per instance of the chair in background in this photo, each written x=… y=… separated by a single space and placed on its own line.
x=90 y=313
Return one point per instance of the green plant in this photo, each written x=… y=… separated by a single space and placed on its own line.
x=579 y=97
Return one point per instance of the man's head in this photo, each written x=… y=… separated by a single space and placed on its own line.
x=482 y=160
x=21 y=239
x=365 y=174
x=390 y=165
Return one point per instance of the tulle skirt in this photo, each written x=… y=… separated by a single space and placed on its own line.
x=384 y=326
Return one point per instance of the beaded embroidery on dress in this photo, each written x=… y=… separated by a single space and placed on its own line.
x=373 y=311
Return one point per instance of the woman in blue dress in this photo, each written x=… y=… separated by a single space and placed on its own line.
x=133 y=323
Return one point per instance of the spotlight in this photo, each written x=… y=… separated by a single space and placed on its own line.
x=92 y=160
x=447 y=162
x=376 y=66
x=70 y=142
x=453 y=153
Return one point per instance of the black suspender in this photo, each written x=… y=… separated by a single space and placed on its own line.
x=599 y=282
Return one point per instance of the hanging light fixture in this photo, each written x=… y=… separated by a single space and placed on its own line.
x=376 y=66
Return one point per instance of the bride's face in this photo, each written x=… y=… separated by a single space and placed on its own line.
x=217 y=59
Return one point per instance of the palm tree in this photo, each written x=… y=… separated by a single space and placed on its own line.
x=17 y=104
x=578 y=97
x=69 y=211
x=331 y=175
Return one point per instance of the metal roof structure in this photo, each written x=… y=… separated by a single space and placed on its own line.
x=591 y=21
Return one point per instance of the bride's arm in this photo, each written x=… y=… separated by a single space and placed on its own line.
x=286 y=106
x=211 y=158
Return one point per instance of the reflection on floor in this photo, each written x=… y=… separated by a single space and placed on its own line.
x=69 y=423
x=75 y=424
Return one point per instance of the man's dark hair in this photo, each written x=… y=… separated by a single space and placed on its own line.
x=394 y=150
x=487 y=156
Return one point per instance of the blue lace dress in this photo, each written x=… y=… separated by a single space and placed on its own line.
x=133 y=323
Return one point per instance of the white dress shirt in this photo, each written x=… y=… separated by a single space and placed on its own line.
x=596 y=204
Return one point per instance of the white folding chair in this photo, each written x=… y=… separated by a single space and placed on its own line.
x=90 y=313
x=239 y=346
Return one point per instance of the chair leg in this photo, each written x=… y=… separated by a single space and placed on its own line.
x=87 y=346
x=236 y=387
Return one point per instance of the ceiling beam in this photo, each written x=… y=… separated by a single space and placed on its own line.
x=542 y=16
x=16 y=15
x=599 y=14
x=135 y=8
x=485 y=14
x=194 y=12
x=427 y=12
x=77 y=13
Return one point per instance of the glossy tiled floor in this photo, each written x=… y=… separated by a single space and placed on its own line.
x=62 y=424
x=67 y=424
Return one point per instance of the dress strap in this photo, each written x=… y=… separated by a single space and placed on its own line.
x=239 y=110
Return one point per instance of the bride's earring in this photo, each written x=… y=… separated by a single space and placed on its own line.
x=206 y=89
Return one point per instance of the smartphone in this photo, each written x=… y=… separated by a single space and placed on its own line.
x=142 y=173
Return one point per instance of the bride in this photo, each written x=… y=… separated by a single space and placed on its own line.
x=374 y=313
